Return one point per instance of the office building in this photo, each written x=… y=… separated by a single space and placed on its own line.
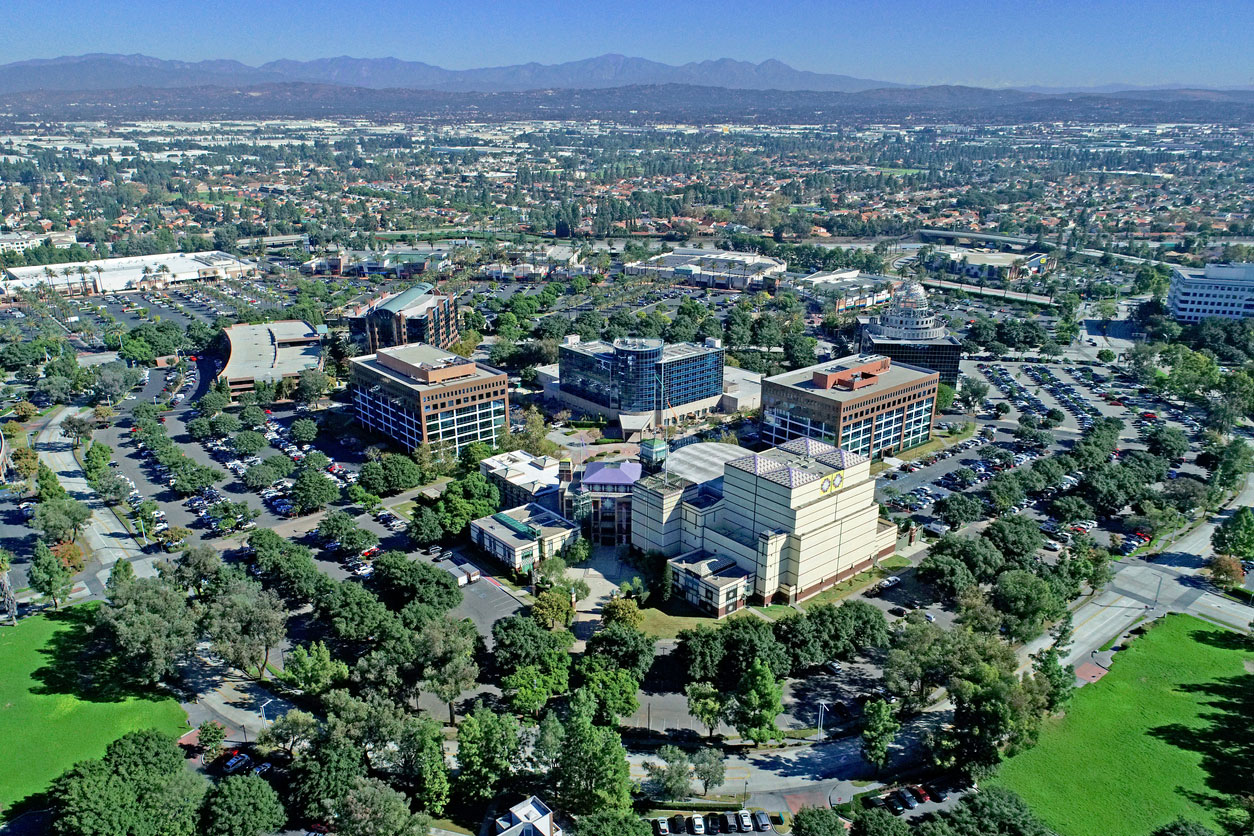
x=523 y=537
x=644 y=383
x=419 y=394
x=598 y=496
x=139 y=272
x=779 y=526
x=988 y=264
x=523 y=479
x=866 y=404
x=1224 y=290
x=416 y=315
x=910 y=332
x=269 y=353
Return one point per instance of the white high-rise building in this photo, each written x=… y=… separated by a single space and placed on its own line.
x=1224 y=290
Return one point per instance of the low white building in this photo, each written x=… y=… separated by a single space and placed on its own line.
x=141 y=272
x=710 y=268
x=1223 y=290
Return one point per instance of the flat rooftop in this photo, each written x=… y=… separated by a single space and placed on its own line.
x=272 y=351
x=703 y=461
x=421 y=355
x=897 y=374
x=798 y=462
x=525 y=524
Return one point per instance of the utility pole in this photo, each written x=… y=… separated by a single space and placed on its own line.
x=822 y=711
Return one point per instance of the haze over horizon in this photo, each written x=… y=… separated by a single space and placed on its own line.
x=983 y=43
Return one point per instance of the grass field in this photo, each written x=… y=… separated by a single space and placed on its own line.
x=669 y=617
x=50 y=717
x=1164 y=734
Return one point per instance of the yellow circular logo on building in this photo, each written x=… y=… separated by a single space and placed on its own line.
x=830 y=483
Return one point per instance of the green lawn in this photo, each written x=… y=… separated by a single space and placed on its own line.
x=1164 y=734
x=668 y=618
x=50 y=718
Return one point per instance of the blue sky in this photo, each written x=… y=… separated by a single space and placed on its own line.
x=980 y=42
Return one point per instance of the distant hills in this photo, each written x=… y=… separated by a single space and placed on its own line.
x=102 y=86
x=101 y=71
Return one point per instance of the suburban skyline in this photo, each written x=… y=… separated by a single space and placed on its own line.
x=986 y=43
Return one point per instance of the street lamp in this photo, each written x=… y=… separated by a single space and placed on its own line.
x=822 y=711
x=264 y=721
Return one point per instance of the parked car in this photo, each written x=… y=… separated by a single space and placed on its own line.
x=742 y=819
x=661 y=827
x=761 y=821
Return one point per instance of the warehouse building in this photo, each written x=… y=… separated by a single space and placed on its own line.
x=140 y=272
x=270 y=352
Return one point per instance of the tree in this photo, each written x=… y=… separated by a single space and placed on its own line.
x=947 y=574
x=48 y=575
x=1184 y=827
x=757 y=704
x=799 y=350
x=972 y=393
x=211 y=736
x=613 y=690
x=244 y=622
x=1071 y=508
x=313 y=490
x=304 y=430
x=311 y=385
x=372 y=808
x=708 y=766
x=252 y=416
x=25 y=410
x=553 y=607
x=671 y=778
x=487 y=749
x=248 y=443
x=706 y=704
x=1235 y=535
x=224 y=426
x=878 y=823
x=592 y=773
x=945 y=395
x=199 y=428
x=1026 y=601
x=879 y=729
x=819 y=821
x=1016 y=537
x=140 y=786
x=325 y=774
x=612 y=822
x=313 y=670
x=1225 y=571
x=150 y=627
x=958 y=509
x=61 y=519
x=260 y=476
x=243 y=805
x=624 y=647
x=620 y=610
x=289 y=732
x=1105 y=355
x=425 y=530
x=451 y=668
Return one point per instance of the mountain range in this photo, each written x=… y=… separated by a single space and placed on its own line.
x=100 y=71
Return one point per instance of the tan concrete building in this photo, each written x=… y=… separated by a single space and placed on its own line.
x=863 y=403
x=270 y=352
x=794 y=520
x=418 y=394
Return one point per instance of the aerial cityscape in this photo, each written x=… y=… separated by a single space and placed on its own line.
x=479 y=437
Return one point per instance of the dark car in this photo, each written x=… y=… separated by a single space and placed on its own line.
x=679 y=824
x=906 y=799
x=729 y=823
x=936 y=790
x=873 y=802
x=713 y=824
x=894 y=805
x=761 y=821
x=897 y=611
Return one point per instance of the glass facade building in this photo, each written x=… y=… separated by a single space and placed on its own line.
x=641 y=375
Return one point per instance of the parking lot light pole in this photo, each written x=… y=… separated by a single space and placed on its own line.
x=822 y=711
